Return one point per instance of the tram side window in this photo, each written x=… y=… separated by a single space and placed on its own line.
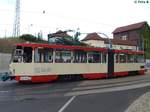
x=80 y=57
x=94 y=57
x=104 y=57
x=36 y=56
x=117 y=58
x=63 y=56
x=48 y=55
x=66 y=56
x=135 y=59
x=140 y=58
x=43 y=55
x=123 y=58
x=18 y=53
x=130 y=58
x=27 y=55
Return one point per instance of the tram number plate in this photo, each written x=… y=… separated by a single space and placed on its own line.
x=25 y=78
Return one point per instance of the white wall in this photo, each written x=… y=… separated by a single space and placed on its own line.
x=95 y=43
x=124 y=47
x=98 y=43
x=4 y=61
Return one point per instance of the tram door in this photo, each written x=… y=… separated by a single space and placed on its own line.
x=110 y=63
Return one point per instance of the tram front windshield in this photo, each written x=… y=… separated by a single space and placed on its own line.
x=22 y=54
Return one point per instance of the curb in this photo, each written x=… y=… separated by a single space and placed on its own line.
x=142 y=104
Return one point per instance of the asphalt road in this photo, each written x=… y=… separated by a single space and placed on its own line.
x=113 y=95
x=101 y=102
x=105 y=102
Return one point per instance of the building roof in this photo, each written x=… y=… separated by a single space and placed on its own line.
x=129 y=27
x=59 y=34
x=92 y=36
x=95 y=36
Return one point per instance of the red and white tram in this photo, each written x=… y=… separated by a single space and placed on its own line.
x=48 y=62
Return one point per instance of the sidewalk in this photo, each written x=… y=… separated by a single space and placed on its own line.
x=142 y=104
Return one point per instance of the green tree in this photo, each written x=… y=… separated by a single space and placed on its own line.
x=145 y=37
x=32 y=38
x=28 y=37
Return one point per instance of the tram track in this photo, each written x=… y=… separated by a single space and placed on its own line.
x=126 y=83
x=85 y=88
x=77 y=87
x=71 y=84
x=70 y=88
x=64 y=86
x=108 y=88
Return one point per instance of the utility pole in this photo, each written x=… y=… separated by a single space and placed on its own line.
x=5 y=33
x=16 y=26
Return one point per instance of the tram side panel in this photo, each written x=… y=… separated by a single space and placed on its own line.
x=91 y=64
x=124 y=69
x=33 y=64
x=27 y=71
x=128 y=64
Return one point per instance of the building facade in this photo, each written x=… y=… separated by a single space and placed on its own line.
x=93 y=39
x=132 y=33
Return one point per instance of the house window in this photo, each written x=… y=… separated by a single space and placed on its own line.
x=124 y=37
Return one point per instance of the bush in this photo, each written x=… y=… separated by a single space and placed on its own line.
x=28 y=37
x=31 y=38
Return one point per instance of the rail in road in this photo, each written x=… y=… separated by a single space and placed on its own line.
x=73 y=96
x=15 y=91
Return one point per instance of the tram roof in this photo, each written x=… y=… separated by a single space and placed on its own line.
x=56 y=46
x=72 y=47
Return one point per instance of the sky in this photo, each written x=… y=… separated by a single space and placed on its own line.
x=87 y=15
